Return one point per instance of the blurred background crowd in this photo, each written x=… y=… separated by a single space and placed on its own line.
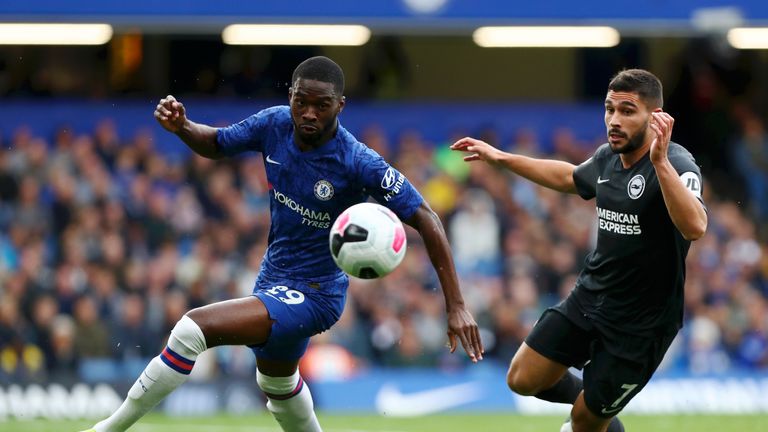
x=107 y=239
x=105 y=242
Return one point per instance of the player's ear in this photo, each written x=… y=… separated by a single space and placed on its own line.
x=342 y=102
x=290 y=94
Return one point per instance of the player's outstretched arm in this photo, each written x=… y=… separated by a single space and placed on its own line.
x=685 y=210
x=553 y=174
x=201 y=138
x=461 y=324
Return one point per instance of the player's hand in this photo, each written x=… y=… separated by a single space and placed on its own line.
x=461 y=325
x=661 y=123
x=480 y=150
x=171 y=114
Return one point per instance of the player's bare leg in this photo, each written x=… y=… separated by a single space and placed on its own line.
x=243 y=321
x=247 y=322
x=233 y=322
x=583 y=420
x=531 y=373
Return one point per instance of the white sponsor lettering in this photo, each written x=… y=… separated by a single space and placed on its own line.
x=619 y=223
x=57 y=402
x=313 y=218
x=395 y=189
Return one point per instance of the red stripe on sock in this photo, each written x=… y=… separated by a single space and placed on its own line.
x=171 y=358
x=286 y=396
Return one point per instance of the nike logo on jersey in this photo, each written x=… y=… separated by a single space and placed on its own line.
x=602 y=180
x=272 y=161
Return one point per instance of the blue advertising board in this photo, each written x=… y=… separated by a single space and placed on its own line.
x=391 y=393
x=483 y=388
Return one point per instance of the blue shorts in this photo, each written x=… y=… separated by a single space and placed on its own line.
x=300 y=310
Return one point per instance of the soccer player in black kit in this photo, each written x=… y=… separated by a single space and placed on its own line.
x=627 y=305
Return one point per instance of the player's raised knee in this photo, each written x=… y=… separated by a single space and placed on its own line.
x=521 y=384
x=187 y=337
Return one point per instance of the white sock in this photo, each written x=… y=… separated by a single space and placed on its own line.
x=162 y=375
x=566 y=427
x=290 y=402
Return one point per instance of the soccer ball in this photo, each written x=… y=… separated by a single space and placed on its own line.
x=367 y=241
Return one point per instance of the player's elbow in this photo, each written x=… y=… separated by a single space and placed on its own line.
x=214 y=156
x=569 y=188
x=424 y=218
x=695 y=231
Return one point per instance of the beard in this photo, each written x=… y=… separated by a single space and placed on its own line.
x=633 y=143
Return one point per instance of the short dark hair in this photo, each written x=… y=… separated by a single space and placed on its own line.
x=320 y=68
x=642 y=82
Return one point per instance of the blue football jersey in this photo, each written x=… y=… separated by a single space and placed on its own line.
x=308 y=190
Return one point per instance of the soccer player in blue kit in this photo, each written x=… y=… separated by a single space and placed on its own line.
x=627 y=305
x=316 y=169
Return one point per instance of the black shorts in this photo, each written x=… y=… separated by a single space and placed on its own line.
x=610 y=381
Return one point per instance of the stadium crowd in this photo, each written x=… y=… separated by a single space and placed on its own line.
x=105 y=243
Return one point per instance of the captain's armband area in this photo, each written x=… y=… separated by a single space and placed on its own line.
x=692 y=182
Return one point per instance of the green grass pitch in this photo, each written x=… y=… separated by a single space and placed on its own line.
x=437 y=423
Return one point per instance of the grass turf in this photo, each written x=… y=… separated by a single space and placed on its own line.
x=438 y=423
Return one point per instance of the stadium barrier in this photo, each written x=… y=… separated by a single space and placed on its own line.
x=478 y=389
x=391 y=392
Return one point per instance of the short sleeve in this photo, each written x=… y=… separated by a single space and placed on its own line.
x=585 y=178
x=247 y=135
x=387 y=185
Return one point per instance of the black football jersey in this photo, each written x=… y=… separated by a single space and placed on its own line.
x=633 y=281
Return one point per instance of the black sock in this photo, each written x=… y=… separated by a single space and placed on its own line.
x=564 y=391
x=615 y=425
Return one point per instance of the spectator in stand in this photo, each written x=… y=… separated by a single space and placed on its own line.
x=91 y=336
x=132 y=338
x=65 y=359
x=751 y=162
x=83 y=196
